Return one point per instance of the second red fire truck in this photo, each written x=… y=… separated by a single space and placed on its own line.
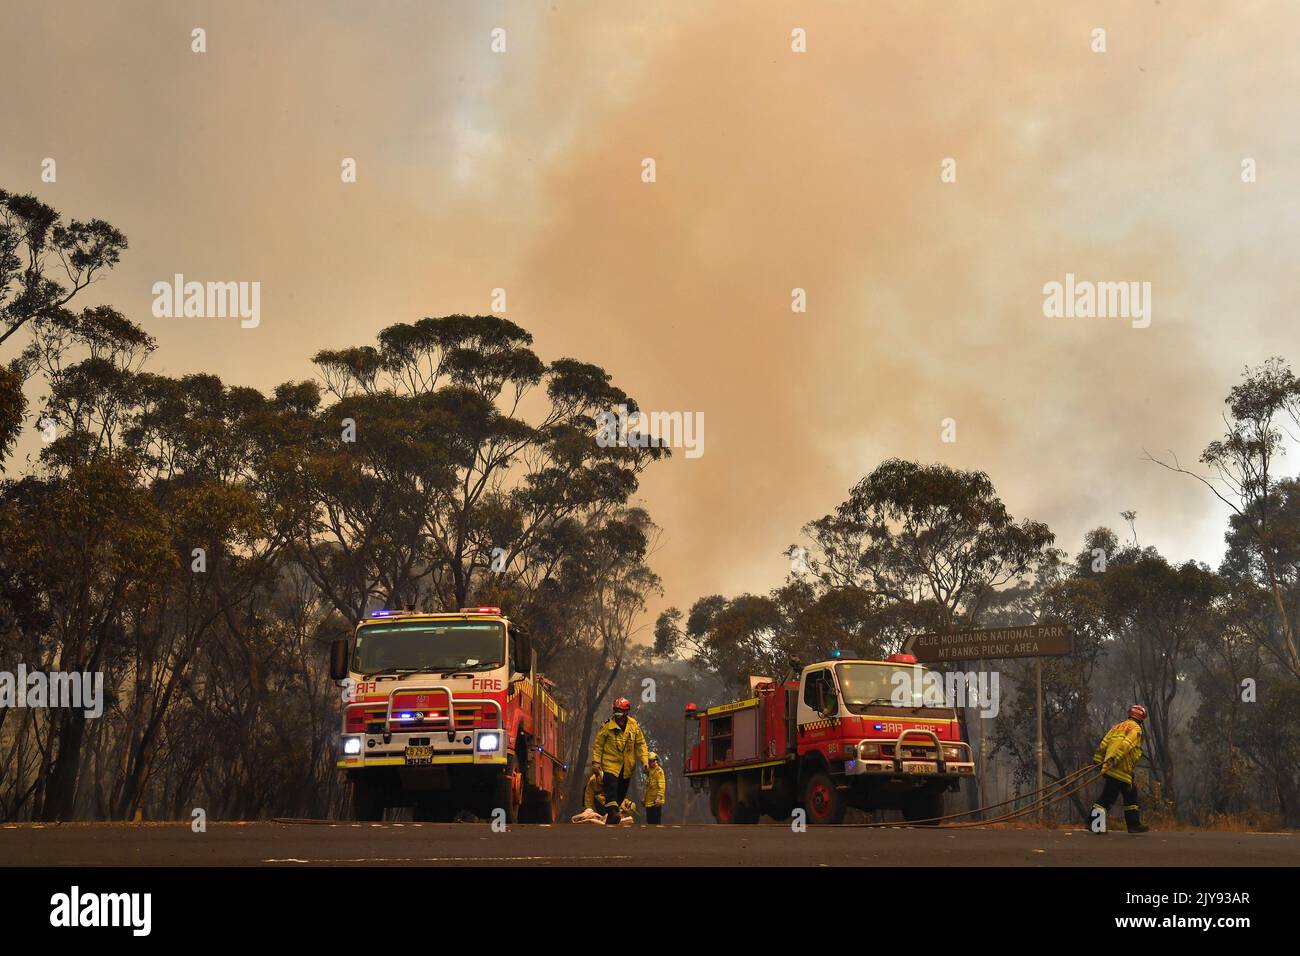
x=830 y=740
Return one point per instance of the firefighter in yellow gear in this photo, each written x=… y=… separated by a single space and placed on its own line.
x=627 y=811
x=1118 y=754
x=593 y=798
x=655 y=791
x=620 y=746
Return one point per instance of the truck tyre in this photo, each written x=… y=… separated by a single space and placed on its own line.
x=368 y=799
x=923 y=805
x=546 y=806
x=824 y=804
x=528 y=794
x=549 y=808
x=726 y=804
x=505 y=795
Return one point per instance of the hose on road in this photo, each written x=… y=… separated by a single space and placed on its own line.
x=1054 y=792
x=1050 y=794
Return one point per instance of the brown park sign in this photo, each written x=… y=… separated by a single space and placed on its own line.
x=1034 y=640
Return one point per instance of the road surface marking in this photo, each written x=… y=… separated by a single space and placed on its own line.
x=443 y=859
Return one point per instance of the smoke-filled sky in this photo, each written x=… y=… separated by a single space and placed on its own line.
x=775 y=170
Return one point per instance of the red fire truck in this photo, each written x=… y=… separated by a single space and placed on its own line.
x=445 y=713
x=830 y=740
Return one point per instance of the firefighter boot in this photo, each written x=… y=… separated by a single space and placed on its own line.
x=1133 y=820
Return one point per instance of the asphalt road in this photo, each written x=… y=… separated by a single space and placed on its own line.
x=292 y=845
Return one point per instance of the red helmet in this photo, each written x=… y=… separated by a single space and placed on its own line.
x=1137 y=712
x=622 y=705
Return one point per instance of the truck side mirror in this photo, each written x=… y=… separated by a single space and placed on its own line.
x=339 y=659
x=523 y=651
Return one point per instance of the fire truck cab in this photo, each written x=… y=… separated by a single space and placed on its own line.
x=444 y=713
x=840 y=736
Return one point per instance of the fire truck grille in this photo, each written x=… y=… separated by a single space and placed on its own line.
x=919 y=753
x=469 y=717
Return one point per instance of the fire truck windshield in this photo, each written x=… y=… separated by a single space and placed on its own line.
x=429 y=646
x=868 y=687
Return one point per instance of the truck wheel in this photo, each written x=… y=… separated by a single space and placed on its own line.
x=545 y=808
x=368 y=800
x=538 y=811
x=726 y=806
x=923 y=805
x=528 y=795
x=506 y=791
x=824 y=804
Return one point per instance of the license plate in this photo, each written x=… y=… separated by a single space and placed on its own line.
x=920 y=768
x=419 y=755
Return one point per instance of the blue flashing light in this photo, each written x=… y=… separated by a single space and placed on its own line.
x=404 y=717
x=380 y=613
x=877 y=726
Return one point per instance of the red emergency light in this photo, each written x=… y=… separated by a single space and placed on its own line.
x=901 y=658
x=480 y=610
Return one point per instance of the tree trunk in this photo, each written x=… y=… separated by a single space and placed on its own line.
x=61 y=785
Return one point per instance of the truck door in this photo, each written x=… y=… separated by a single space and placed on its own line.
x=820 y=697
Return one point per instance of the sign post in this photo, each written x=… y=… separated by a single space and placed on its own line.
x=1034 y=640
x=1038 y=668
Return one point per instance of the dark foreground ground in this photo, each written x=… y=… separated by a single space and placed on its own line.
x=432 y=844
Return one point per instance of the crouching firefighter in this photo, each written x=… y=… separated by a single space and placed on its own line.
x=1118 y=754
x=593 y=797
x=619 y=747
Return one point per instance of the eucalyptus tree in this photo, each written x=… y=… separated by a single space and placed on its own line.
x=468 y=460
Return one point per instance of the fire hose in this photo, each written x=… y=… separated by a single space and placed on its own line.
x=1075 y=781
x=1054 y=792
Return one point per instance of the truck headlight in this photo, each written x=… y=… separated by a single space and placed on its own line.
x=488 y=741
x=951 y=753
x=869 y=750
x=352 y=745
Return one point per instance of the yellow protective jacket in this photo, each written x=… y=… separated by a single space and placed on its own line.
x=593 y=798
x=656 y=788
x=619 y=751
x=1122 y=745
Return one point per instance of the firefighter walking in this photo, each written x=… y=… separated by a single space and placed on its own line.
x=620 y=746
x=1118 y=754
x=655 y=791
